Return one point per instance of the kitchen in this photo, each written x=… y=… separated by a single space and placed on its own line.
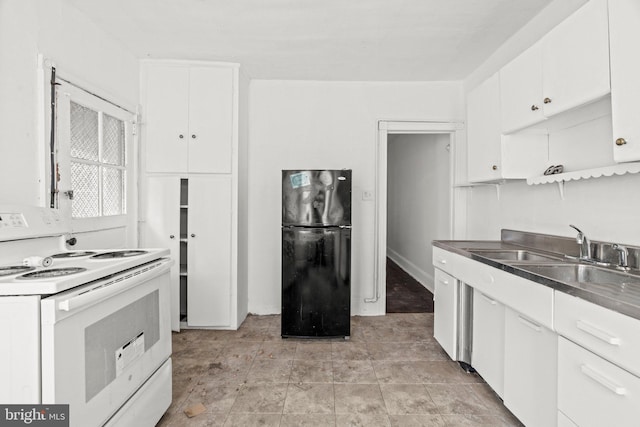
x=276 y=117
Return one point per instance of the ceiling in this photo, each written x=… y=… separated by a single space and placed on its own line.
x=366 y=40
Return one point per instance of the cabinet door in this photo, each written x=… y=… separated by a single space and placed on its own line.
x=624 y=33
x=445 y=303
x=211 y=107
x=593 y=392
x=166 y=119
x=575 y=59
x=209 y=251
x=162 y=230
x=488 y=340
x=521 y=90
x=483 y=131
x=530 y=371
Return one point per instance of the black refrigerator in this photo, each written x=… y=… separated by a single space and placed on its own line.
x=316 y=253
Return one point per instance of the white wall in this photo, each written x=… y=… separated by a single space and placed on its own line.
x=325 y=125
x=81 y=52
x=605 y=208
x=418 y=199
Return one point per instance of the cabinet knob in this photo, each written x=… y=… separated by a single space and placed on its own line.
x=494 y=167
x=193 y=235
x=534 y=107
x=193 y=136
x=621 y=141
x=181 y=136
x=172 y=236
x=547 y=101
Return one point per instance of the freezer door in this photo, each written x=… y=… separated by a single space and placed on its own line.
x=316 y=197
x=316 y=282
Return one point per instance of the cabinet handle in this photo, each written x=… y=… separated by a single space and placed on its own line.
x=489 y=300
x=180 y=136
x=534 y=108
x=547 y=101
x=598 y=333
x=603 y=380
x=494 y=167
x=172 y=236
x=621 y=141
x=442 y=261
x=193 y=235
x=193 y=136
x=444 y=282
x=529 y=323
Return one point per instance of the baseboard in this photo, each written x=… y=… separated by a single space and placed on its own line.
x=424 y=278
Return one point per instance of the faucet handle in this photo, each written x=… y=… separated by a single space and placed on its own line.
x=580 y=233
x=623 y=253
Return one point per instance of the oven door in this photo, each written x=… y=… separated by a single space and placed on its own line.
x=103 y=340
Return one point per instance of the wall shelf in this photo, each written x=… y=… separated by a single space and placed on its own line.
x=619 y=169
x=561 y=178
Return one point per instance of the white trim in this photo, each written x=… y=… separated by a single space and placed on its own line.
x=386 y=127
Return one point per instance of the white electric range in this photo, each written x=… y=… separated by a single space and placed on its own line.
x=86 y=328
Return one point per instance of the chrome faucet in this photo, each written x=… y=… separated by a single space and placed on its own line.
x=585 y=244
x=623 y=252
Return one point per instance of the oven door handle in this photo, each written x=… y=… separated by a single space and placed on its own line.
x=112 y=287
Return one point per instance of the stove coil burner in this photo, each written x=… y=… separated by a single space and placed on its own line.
x=14 y=269
x=118 y=254
x=76 y=254
x=52 y=272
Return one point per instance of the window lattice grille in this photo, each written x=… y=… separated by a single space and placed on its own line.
x=84 y=133
x=98 y=172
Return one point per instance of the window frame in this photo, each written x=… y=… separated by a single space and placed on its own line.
x=65 y=94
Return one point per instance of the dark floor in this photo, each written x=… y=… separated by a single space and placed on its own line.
x=404 y=293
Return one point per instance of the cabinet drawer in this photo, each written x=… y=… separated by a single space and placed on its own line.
x=594 y=392
x=531 y=299
x=451 y=263
x=612 y=335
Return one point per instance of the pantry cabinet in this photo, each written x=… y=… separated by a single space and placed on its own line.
x=567 y=68
x=192 y=218
x=189 y=117
x=530 y=370
x=624 y=33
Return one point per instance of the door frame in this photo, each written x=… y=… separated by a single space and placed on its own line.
x=456 y=222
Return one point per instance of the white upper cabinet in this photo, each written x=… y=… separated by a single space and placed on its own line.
x=575 y=59
x=521 y=90
x=568 y=68
x=189 y=112
x=624 y=33
x=483 y=131
x=492 y=156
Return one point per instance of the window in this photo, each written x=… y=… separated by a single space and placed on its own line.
x=98 y=173
x=94 y=146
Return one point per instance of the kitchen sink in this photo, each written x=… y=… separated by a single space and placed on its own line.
x=514 y=255
x=580 y=273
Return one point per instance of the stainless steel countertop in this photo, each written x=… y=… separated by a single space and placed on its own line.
x=624 y=298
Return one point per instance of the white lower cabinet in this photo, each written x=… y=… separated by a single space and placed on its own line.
x=593 y=391
x=488 y=340
x=530 y=370
x=193 y=216
x=445 y=302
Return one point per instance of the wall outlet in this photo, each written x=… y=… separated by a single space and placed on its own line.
x=367 y=195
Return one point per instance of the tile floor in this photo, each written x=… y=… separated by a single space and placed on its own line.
x=390 y=373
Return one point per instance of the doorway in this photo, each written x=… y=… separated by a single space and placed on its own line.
x=418 y=191
x=392 y=132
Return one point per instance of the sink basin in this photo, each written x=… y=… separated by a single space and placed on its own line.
x=580 y=273
x=514 y=255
